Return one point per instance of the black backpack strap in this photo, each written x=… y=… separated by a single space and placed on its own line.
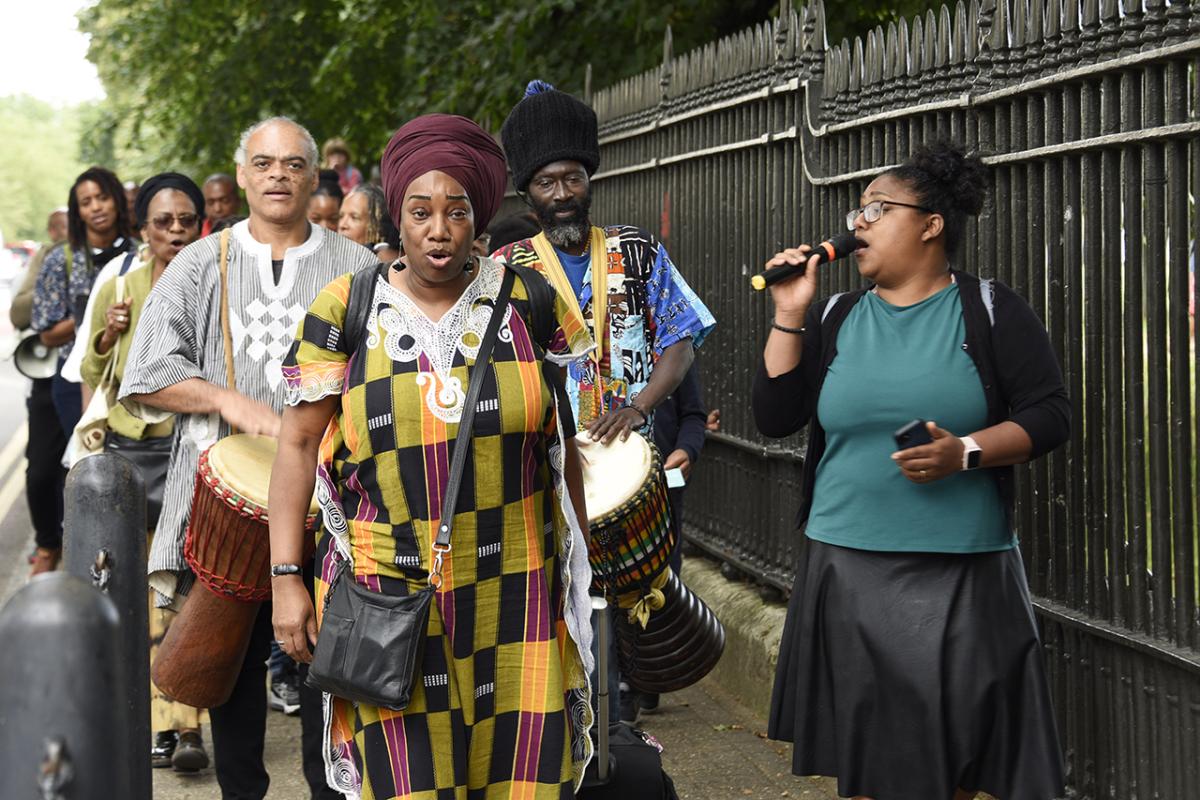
x=541 y=303
x=358 y=306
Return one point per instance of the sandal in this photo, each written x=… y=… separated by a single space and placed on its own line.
x=45 y=559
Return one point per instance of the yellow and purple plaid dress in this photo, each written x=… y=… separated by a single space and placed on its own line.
x=501 y=706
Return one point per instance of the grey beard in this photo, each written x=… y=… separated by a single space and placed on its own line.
x=568 y=234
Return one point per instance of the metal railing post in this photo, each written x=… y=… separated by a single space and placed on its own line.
x=63 y=731
x=104 y=538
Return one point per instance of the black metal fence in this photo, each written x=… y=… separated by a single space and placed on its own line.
x=1089 y=115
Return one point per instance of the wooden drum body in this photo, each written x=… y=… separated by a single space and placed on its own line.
x=228 y=548
x=629 y=515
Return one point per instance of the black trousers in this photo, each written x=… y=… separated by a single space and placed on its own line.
x=44 y=472
x=238 y=726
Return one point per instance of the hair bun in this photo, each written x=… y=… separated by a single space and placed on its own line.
x=964 y=176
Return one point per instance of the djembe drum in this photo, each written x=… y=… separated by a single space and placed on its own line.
x=628 y=513
x=680 y=639
x=228 y=548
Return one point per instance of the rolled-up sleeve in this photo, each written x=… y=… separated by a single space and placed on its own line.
x=164 y=350
x=677 y=313
x=50 y=293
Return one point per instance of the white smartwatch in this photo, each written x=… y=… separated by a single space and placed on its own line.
x=972 y=454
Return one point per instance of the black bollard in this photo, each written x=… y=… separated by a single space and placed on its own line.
x=64 y=735
x=104 y=541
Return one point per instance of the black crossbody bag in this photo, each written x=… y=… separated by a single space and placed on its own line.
x=370 y=643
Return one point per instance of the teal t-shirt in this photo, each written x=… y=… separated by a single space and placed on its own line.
x=894 y=365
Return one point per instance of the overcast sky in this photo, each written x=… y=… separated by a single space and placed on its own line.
x=43 y=54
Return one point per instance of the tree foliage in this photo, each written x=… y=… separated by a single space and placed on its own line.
x=38 y=163
x=184 y=78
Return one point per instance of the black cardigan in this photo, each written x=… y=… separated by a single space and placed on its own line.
x=679 y=421
x=1021 y=378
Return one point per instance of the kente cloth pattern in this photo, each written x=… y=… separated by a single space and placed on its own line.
x=650 y=308
x=179 y=337
x=501 y=706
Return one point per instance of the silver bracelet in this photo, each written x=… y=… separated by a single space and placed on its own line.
x=284 y=569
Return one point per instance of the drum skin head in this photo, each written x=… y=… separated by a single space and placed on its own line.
x=612 y=473
x=243 y=463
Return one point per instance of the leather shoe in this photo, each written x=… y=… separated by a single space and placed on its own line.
x=189 y=753
x=163 y=749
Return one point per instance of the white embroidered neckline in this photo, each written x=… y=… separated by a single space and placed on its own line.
x=406 y=334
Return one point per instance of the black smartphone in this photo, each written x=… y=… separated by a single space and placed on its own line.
x=913 y=434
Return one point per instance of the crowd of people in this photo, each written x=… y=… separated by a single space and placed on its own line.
x=425 y=365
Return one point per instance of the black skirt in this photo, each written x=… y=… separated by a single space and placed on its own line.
x=908 y=675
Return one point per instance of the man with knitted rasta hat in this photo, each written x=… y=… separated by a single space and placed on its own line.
x=644 y=317
x=650 y=320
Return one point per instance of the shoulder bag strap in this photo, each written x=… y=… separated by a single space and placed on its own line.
x=467 y=421
x=230 y=380
x=359 y=304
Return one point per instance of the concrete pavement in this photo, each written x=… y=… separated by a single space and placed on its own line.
x=714 y=749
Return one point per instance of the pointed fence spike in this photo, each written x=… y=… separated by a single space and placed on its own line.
x=856 y=63
x=1036 y=31
x=1070 y=15
x=1000 y=27
x=913 y=60
x=1020 y=24
x=963 y=47
x=945 y=30
x=1053 y=24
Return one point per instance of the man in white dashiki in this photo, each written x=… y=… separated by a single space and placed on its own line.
x=643 y=316
x=277 y=265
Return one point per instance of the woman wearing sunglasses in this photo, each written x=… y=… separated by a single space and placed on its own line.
x=169 y=211
x=910 y=666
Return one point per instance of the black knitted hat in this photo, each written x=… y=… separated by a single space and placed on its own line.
x=548 y=126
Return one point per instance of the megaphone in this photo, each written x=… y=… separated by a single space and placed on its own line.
x=34 y=359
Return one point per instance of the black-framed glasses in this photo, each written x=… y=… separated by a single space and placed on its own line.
x=872 y=211
x=164 y=221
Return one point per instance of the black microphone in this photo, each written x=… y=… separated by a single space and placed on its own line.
x=832 y=248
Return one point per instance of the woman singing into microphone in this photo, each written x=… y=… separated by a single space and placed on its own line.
x=910 y=666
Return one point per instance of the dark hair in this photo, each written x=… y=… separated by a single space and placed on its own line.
x=110 y=184
x=225 y=222
x=512 y=229
x=328 y=184
x=380 y=227
x=947 y=181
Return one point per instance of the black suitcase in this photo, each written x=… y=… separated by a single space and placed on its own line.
x=628 y=762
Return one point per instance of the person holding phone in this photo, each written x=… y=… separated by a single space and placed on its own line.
x=910 y=666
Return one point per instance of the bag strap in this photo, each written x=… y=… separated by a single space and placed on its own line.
x=230 y=380
x=127 y=263
x=358 y=306
x=466 y=422
x=541 y=304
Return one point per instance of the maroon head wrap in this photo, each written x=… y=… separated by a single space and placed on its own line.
x=450 y=144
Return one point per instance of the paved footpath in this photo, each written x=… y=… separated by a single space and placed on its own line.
x=714 y=749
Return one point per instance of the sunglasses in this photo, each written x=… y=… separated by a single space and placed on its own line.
x=164 y=221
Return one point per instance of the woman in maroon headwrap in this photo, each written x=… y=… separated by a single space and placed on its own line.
x=500 y=706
